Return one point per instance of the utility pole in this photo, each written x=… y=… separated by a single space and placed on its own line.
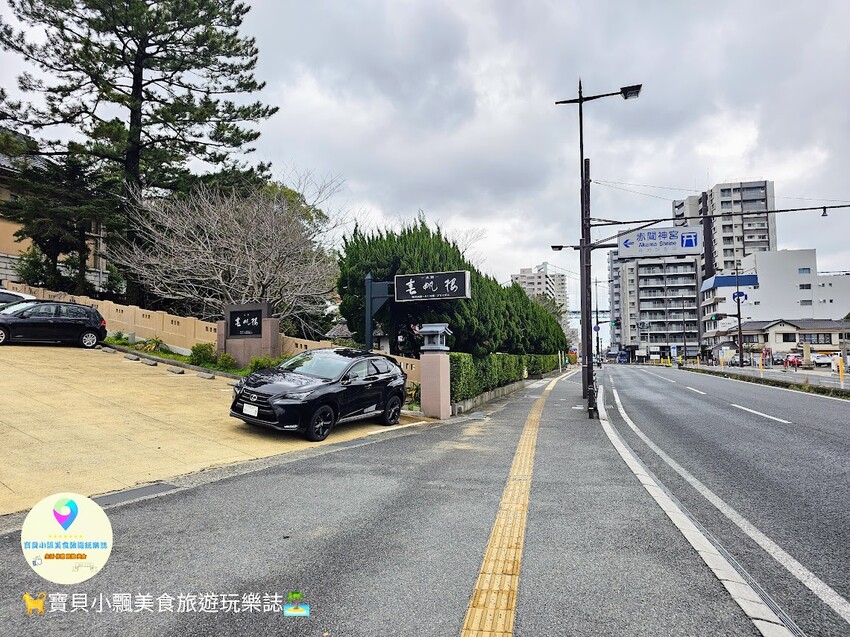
x=738 y=301
x=684 y=333
x=598 y=352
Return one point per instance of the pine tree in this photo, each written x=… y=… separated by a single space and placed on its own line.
x=149 y=85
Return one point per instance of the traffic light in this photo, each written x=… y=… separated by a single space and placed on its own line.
x=718 y=317
x=615 y=323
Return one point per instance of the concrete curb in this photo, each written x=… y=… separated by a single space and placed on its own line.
x=150 y=357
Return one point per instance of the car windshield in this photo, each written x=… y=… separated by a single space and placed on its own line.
x=326 y=365
x=11 y=308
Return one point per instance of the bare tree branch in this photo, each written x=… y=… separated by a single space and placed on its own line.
x=211 y=250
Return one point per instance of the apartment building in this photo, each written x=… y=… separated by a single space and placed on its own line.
x=543 y=280
x=656 y=300
x=744 y=225
x=781 y=284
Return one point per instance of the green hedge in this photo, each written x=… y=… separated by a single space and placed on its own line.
x=472 y=376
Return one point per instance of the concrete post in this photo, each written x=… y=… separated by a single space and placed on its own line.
x=436 y=386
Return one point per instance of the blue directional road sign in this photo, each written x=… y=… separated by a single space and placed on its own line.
x=595 y=328
x=662 y=242
x=736 y=295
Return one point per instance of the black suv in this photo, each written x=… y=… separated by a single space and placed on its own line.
x=51 y=321
x=319 y=388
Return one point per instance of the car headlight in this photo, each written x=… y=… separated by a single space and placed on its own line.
x=238 y=386
x=297 y=395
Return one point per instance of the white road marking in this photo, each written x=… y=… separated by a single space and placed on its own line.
x=738 y=588
x=380 y=431
x=669 y=380
x=696 y=390
x=758 y=413
x=810 y=395
x=811 y=581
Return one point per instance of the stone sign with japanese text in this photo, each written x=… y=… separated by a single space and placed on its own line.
x=433 y=286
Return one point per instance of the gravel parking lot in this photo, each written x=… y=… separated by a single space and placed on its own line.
x=91 y=422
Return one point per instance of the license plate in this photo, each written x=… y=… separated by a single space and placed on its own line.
x=251 y=410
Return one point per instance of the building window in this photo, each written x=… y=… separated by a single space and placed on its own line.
x=786 y=338
x=806 y=302
x=805 y=286
x=804 y=270
x=816 y=339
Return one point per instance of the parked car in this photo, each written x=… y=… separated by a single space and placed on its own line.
x=318 y=389
x=7 y=296
x=821 y=360
x=734 y=361
x=51 y=321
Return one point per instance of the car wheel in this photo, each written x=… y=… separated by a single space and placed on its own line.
x=4 y=336
x=392 y=411
x=88 y=339
x=321 y=423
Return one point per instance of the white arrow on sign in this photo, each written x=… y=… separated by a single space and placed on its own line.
x=736 y=295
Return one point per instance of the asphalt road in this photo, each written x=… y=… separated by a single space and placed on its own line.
x=791 y=480
x=386 y=536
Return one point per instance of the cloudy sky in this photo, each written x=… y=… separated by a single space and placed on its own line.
x=448 y=107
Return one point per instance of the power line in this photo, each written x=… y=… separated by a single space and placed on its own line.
x=610 y=184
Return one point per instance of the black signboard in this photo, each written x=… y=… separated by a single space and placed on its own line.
x=246 y=321
x=433 y=286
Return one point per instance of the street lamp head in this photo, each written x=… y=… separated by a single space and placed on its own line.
x=630 y=92
x=557 y=248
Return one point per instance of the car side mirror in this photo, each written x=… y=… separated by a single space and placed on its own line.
x=346 y=380
x=24 y=315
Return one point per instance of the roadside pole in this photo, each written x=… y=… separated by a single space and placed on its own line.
x=761 y=366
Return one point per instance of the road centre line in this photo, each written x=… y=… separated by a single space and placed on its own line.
x=669 y=380
x=492 y=608
x=758 y=413
x=765 y=620
x=696 y=390
x=821 y=589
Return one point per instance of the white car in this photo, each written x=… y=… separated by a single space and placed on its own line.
x=7 y=296
x=821 y=360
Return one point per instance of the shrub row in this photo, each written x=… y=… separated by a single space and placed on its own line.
x=204 y=355
x=472 y=376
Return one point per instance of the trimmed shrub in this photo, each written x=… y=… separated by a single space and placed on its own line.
x=471 y=376
x=227 y=361
x=265 y=362
x=203 y=355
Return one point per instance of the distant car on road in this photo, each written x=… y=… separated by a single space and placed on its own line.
x=734 y=361
x=317 y=389
x=778 y=358
x=51 y=321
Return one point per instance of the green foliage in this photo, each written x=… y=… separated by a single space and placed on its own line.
x=347 y=342
x=203 y=355
x=494 y=319
x=265 y=362
x=146 y=84
x=226 y=362
x=33 y=268
x=541 y=363
x=59 y=204
x=572 y=358
x=115 y=282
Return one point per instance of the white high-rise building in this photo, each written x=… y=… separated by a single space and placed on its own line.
x=656 y=301
x=543 y=280
x=730 y=237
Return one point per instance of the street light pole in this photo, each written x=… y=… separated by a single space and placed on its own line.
x=598 y=330
x=588 y=389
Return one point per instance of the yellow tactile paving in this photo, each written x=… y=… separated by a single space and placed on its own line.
x=493 y=604
x=90 y=422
